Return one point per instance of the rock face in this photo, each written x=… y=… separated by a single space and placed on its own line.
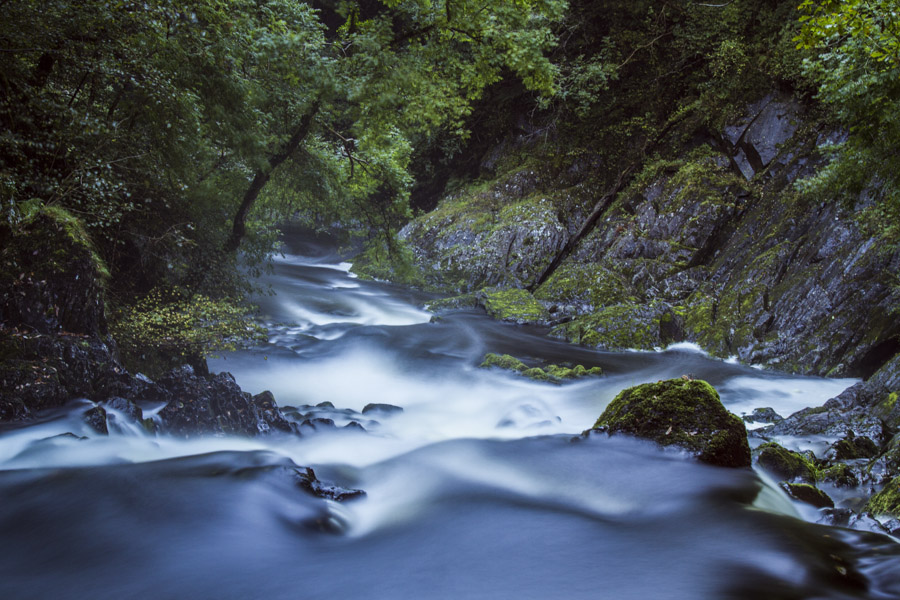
x=683 y=413
x=717 y=249
x=54 y=344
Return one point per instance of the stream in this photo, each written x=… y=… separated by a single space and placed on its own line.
x=476 y=489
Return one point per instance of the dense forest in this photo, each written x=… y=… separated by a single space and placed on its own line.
x=178 y=136
x=549 y=298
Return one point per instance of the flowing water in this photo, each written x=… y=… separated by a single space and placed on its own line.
x=475 y=490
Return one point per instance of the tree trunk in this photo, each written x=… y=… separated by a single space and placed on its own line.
x=261 y=178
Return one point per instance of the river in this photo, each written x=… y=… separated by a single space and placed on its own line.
x=477 y=489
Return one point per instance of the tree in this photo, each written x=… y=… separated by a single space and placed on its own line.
x=180 y=131
x=857 y=67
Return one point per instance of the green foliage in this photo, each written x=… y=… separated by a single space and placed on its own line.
x=887 y=501
x=167 y=329
x=149 y=119
x=857 y=69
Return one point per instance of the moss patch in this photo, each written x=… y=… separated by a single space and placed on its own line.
x=810 y=494
x=512 y=305
x=619 y=327
x=680 y=412
x=454 y=302
x=887 y=501
x=785 y=465
x=551 y=373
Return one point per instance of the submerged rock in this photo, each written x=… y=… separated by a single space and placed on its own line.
x=763 y=415
x=680 y=412
x=384 y=409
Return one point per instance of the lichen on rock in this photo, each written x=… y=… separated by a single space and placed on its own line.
x=513 y=304
x=680 y=412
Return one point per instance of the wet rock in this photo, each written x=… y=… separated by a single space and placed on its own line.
x=763 y=415
x=354 y=426
x=681 y=412
x=96 y=419
x=383 y=409
x=306 y=479
x=316 y=424
x=844 y=517
x=785 y=465
x=887 y=501
x=841 y=475
x=515 y=305
x=852 y=447
x=196 y=404
x=810 y=494
x=126 y=407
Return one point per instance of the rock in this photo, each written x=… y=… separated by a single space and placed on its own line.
x=384 y=409
x=96 y=418
x=305 y=478
x=763 y=415
x=681 y=412
x=844 y=517
x=852 y=447
x=550 y=373
x=841 y=475
x=810 y=494
x=515 y=305
x=887 y=501
x=785 y=465
x=196 y=404
x=126 y=407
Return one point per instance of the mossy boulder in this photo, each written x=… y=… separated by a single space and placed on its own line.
x=680 y=412
x=784 y=464
x=841 y=475
x=853 y=447
x=452 y=303
x=51 y=279
x=810 y=494
x=551 y=373
x=515 y=305
x=887 y=501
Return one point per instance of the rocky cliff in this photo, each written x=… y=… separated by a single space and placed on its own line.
x=715 y=246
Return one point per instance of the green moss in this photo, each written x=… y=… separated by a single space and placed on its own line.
x=785 y=464
x=681 y=412
x=619 y=327
x=887 y=501
x=591 y=283
x=810 y=494
x=388 y=262
x=503 y=361
x=512 y=305
x=77 y=234
x=551 y=373
x=840 y=475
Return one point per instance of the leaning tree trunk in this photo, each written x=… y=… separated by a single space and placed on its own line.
x=261 y=178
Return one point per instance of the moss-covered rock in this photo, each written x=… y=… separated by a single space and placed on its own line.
x=503 y=361
x=841 y=475
x=551 y=373
x=810 y=494
x=452 y=303
x=887 y=501
x=784 y=464
x=621 y=327
x=680 y=412
x=515 y=305
x=853 y=447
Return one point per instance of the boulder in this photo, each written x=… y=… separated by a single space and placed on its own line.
x=784 y=464
x=887 y=501
x=680 y=412
x=809 y=494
